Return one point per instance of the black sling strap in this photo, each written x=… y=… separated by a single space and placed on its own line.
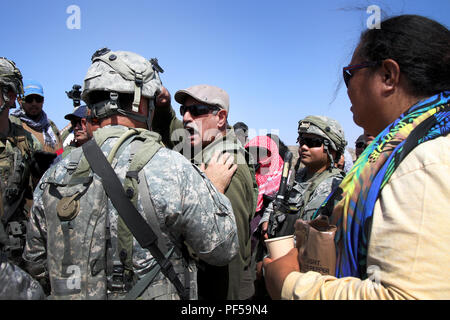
x=127 y=211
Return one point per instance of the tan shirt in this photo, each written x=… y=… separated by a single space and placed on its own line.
x=40 y=137
x=409 y=247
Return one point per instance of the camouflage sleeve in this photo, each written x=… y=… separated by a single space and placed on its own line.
x=267 y=212
x=35 y=253
x=319 y=195
x=16 y=284
x=191 y=208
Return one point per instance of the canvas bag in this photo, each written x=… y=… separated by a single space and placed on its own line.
x=315 y=242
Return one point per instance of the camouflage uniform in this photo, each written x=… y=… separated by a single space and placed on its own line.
x=16 y=149
x=16 y=284
x=16 y=189
x=307 y=194
x=187 y=206
x=188 y=209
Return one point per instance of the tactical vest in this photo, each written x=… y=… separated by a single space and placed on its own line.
x=15 y=159
x=283 y=221
x=81 y=259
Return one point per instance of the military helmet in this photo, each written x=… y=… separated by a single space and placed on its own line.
x=120 y=72
x=324 y=127
x=10 y=76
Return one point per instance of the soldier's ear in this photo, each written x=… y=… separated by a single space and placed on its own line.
x=12 y=96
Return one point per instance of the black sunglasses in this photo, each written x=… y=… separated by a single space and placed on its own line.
x=347 y=71
x=31 y=97
x=75 y=121
x=310 y=142
x=361 y=145
x=197 y=110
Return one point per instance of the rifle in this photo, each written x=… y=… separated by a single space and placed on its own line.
x=280 y=205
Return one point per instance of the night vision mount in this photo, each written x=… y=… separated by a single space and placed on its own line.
x=75 y=95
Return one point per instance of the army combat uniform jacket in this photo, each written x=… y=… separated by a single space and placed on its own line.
x=16 y=284
x=305 y=197
x=16 y=189
x=188 y=209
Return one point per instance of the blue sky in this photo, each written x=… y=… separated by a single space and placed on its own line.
x=280 y=61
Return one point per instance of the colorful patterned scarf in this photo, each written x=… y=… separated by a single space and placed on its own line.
x=350 y=207
x=268 y=175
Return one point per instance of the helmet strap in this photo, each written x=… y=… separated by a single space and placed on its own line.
x=151 y=108
x=326 y=145
x=137 y=92
x=4 y=93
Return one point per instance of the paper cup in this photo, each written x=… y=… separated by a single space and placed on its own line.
x=280 y=246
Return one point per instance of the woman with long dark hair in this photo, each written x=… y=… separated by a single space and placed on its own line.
x=392 y=208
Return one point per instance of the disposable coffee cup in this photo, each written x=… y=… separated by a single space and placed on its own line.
x=280 y=246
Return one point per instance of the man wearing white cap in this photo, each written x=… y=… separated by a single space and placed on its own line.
x=204 y=109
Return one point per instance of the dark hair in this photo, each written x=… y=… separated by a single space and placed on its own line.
x=419 y=45
x=240 y=125
x=282 y=148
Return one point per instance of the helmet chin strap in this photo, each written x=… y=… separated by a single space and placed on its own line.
x=326 y=144
x=4 y=92
x=110 y=107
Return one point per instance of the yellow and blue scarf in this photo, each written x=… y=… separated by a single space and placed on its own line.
x=350 y=206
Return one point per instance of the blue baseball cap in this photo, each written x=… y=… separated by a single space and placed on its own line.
x=79 y=112
x=32 y=87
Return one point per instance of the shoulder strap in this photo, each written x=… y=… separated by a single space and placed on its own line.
x=313 y=185
x=127 y=211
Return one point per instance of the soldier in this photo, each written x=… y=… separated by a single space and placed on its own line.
x=16 y=149
x=15 y=284
x=206 y=132
x=321 y=144
x=79 y=233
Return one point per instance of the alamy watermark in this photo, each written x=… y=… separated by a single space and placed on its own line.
x=374 y=20
x=74 y=20
x=74 y=281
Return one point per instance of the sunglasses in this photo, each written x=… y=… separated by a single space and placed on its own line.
x=347 y=71
x=75 y=122
x=30 y=98
x=310 y=142
x=361 y=145
x=198 y=109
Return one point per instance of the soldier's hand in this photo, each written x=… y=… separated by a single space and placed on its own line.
x=264 y=227
x=220 y=170
x=163 y=98
x=276 y=271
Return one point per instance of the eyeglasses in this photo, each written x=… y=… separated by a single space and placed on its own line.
x=347 y=71
x=31 y=97
x=75 y=122
x=197 y=110
x=310 y=142
x=360 y=145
